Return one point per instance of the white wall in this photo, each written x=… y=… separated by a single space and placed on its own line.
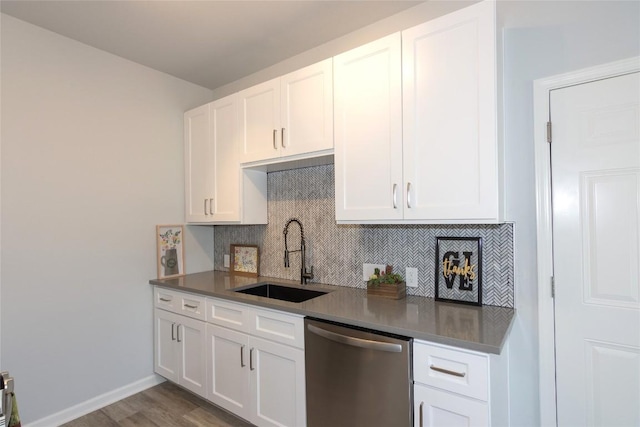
x=540 y=38
x=92 y=160
x=544 y=38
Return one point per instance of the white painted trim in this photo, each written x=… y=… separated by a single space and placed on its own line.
x=546 y=335
x=97 y=402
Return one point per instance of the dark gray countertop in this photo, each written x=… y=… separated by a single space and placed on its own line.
x=482 y=329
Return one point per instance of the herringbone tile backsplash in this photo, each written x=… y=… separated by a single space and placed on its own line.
x=337 y=252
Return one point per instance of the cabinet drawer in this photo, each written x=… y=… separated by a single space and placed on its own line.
x=192 y=306
x=275 y=326
x=166 y=299
x=459 y=371
x=228 y=314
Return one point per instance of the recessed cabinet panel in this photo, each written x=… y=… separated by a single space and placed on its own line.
x=260 y=121
x=368 y=132
x=226 y=164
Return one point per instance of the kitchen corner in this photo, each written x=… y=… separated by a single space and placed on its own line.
x=483 y=329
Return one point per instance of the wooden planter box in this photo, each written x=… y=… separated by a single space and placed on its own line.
x=395 y=291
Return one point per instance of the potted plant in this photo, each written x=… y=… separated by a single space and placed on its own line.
x=386 y=284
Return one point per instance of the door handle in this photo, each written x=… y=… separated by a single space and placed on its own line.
x=355 y=342
x=251 y=359
x=242 y=365
x=275 y=147
x=282 y=138
x=173 y=337
x=205 y=207
x=409 y=195
x=211 y=206
x=178 y=333
x=421 y=405
x=448 y=372
x=394 y=195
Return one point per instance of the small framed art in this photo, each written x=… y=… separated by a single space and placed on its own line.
x=459 y=269
x=245 y=260
x=170 y=239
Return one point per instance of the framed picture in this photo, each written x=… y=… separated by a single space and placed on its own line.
x=245 y=260
x=459 y=269
x=170 y=239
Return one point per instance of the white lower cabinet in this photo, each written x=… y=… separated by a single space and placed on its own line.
x=456 y=387
x=258 y=379
x=179 y=350
x=435 y=408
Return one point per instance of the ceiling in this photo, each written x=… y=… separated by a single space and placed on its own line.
x=209 y=43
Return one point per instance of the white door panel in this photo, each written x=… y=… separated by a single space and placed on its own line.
x=596 y=225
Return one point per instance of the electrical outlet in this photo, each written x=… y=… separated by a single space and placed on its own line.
x=411 y=274
x=226 y=260
x=369 y=269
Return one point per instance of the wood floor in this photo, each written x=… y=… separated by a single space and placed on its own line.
x=165 y=405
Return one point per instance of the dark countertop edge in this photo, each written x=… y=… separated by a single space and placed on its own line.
x=294 y=309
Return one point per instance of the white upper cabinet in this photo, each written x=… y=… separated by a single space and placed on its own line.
x=288 y=116
x=216 y=189
x=416 y=138
x=368 y=133
x=198 y=170
x=450 y=148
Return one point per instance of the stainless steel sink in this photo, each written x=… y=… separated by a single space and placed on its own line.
x=284 y=293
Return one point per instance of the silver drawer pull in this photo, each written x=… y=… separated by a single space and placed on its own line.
x=191 y=306
x=165 y=300
x=448 y=372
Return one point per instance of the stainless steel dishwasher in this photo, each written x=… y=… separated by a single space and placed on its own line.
x=356 y=377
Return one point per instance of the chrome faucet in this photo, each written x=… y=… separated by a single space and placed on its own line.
x=304 y=274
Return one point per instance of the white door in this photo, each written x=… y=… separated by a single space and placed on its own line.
x=368 y=131
x=278 y=384
x=449 y=135
x=225 y=205
x=228 y=365
x=436 y=408
x=190 y=335
x=198 y=170
x=595 y=155
x=307 y=109
x=260 y=121
x=165 y=349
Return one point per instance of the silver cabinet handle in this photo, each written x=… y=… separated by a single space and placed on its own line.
x=355 y=342
x=282 y=138
x=173 y=336
x=275 y=147
x=421 y=405
x=251 y=359
x=408 y=194
x=211 y=206
x=205 y=207
x=242 y=365
x=395 y=196
x=165 y=300
x=191 y=306
x=448 y=372
x=178 y=333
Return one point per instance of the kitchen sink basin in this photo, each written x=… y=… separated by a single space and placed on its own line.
x=284 y=293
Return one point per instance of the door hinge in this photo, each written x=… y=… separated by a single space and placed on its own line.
x=553 y=287
x=549 y=132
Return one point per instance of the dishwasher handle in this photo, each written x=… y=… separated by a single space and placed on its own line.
x=355 y=342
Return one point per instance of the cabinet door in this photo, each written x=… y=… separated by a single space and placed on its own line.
x=368 y=131
x=165 y=361
x=435 y=408
x=277 y=380
x=190 y=335
x=449 y=117
x=307 y=109
x=228 y=367
x=225 y=205
x=197 y=159
x=260 y=122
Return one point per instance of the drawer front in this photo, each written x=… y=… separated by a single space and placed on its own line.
x=280 y=327
x=459 y=371
x=166 y=299
x=228 y=314
x=192 y=306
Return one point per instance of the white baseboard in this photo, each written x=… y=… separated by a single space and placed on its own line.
x=96 y=403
